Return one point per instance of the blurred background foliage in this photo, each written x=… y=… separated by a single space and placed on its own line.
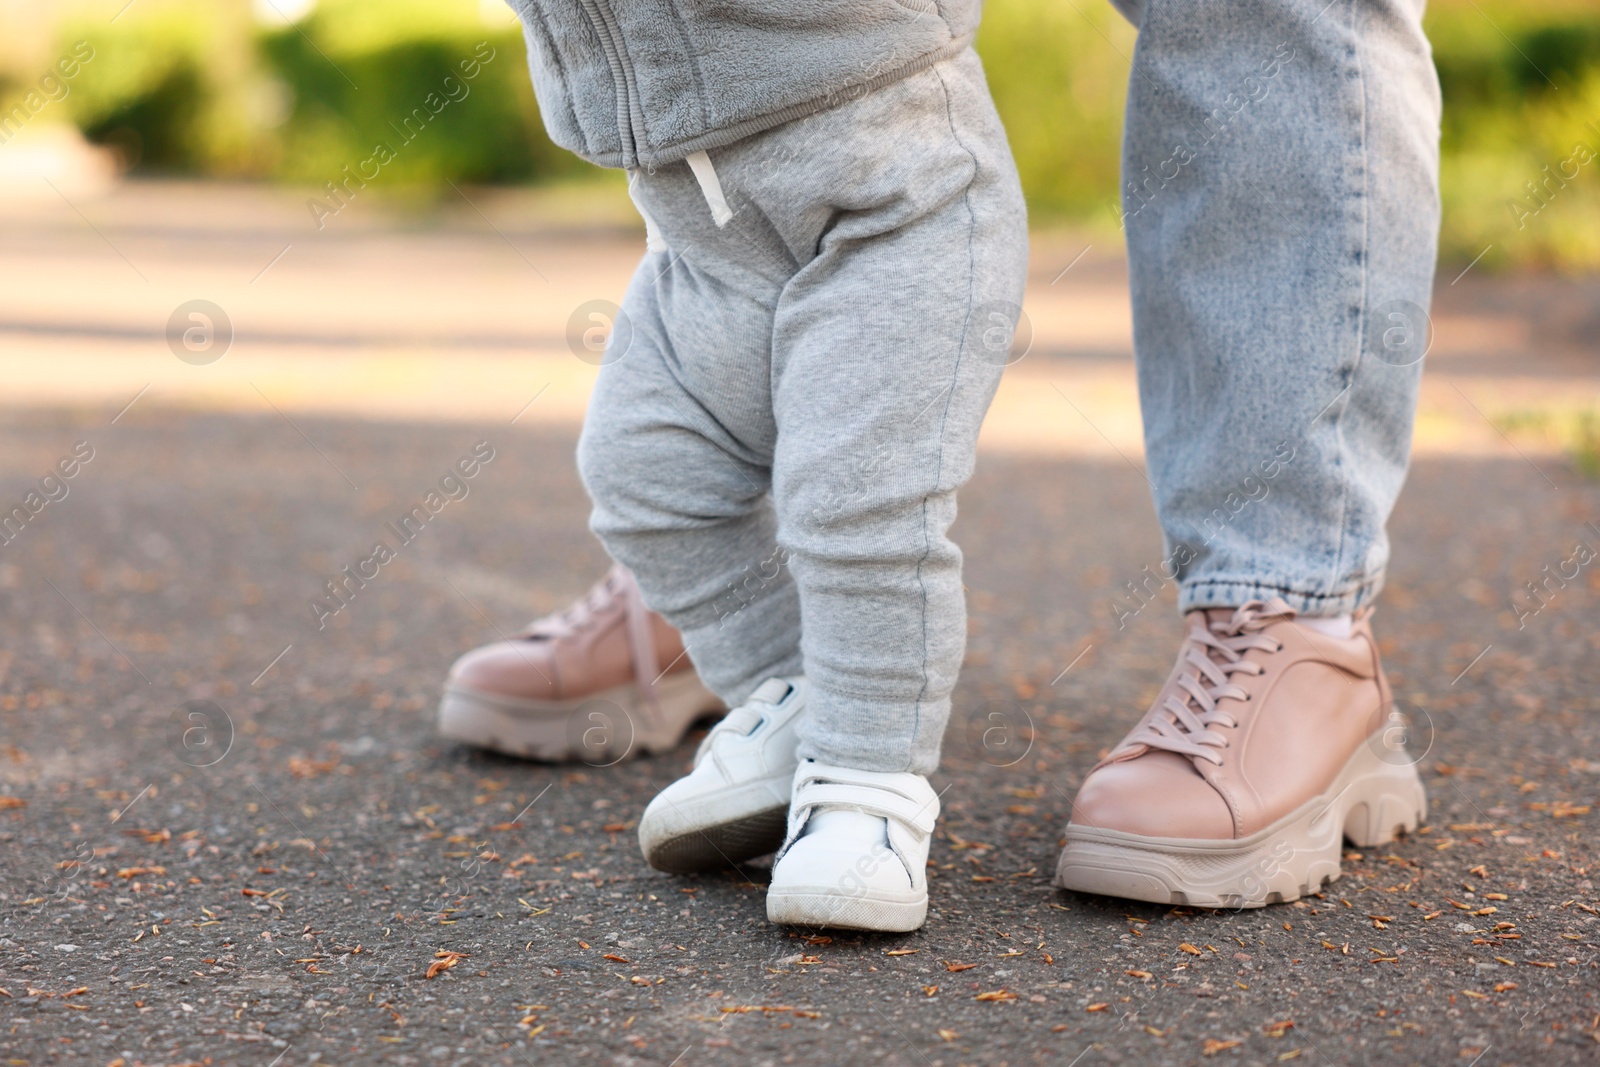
x=221 y=88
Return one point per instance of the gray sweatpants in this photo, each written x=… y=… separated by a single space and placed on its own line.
x=792 y=399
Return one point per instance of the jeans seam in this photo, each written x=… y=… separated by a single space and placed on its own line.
x=1361 y=304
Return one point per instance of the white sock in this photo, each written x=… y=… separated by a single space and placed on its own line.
x=1332 y=625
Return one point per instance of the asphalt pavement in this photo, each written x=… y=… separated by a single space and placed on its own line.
x=230 y=836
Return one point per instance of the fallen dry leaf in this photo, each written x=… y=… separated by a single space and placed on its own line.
x=307 y=769
x=1212 y=1046
x=134 y=872
x=444 y=960
x=743 y=1008
x=996 y=994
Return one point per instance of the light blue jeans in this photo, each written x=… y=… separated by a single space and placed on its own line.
x=1280 y=198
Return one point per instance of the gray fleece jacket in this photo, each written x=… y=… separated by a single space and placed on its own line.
x=627 y=83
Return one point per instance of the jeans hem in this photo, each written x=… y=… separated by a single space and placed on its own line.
x=1231 y=593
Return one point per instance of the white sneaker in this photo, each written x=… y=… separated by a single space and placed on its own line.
x=731 y=806
x=857 y=852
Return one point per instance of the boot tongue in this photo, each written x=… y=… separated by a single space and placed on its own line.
x=1254 y=615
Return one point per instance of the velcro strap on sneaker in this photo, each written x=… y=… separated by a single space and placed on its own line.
x=871 y=801
x=741 y=720
x=906 y=798
x=771 y=691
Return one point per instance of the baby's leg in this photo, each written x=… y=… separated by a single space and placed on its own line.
x=887 y=349
x=676 y=453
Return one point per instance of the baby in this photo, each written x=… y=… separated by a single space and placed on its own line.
x=835 y=261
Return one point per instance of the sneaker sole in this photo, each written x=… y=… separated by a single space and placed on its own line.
x=838 y=910
x=589 y=730
x=715 y=845
x=1371 y=802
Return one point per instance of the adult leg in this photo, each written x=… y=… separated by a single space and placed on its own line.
x=1281 y=212
x=1281 y=171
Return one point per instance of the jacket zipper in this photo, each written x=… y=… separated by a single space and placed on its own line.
x=621 y=76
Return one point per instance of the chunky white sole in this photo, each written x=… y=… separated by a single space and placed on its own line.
x=600 y=730
x=840 y=909
x=716 y=829
x=1371 y=802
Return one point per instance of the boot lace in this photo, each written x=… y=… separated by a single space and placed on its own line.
x=1212 y=654
x=616 y=592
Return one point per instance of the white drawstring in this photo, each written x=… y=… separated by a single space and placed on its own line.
x=710 y=188
x=706 y=175
x=653 y=241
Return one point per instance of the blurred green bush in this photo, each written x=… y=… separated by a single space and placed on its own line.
x=200 y=88
x=361 y=75
x=148 y=90
x=1521 y=94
